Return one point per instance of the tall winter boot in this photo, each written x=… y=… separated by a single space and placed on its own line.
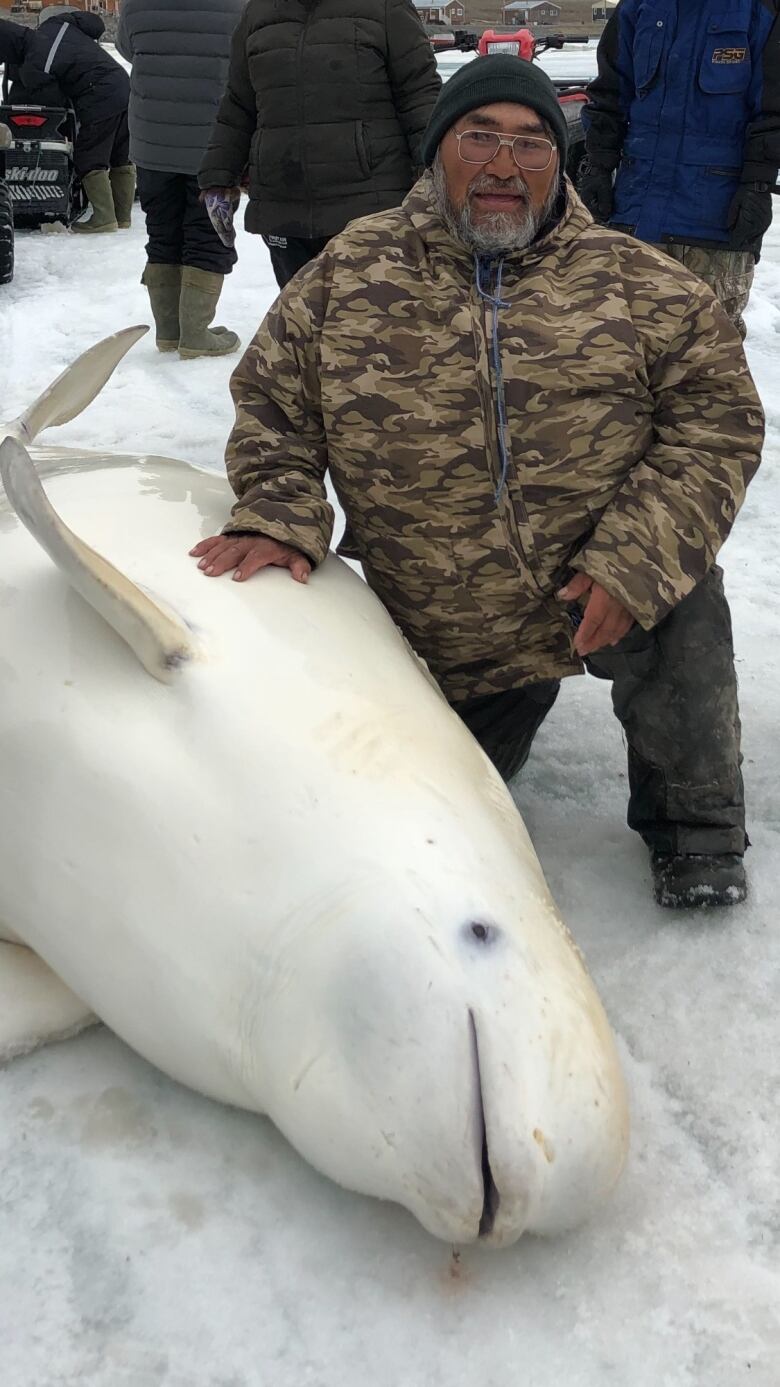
x=163 y=285
x=97 y=187
x=200 y=291
x=123 y=192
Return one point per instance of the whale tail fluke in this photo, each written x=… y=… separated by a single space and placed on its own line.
x=75 y=388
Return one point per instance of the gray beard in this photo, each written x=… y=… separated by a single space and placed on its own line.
x=499 y=234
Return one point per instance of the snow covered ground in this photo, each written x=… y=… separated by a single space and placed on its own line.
x=150 y=1238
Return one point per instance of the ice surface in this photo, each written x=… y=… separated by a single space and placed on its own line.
x=149 y=1238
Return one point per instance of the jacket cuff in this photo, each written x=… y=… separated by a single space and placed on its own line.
x=759 y=172
x=606 y=161
x=308 y=540
x=642 y=599
x=217 y=178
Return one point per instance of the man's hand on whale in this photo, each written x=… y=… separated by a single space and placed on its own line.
x=247 y=554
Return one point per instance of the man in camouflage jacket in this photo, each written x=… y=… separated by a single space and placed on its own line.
x=540 y=431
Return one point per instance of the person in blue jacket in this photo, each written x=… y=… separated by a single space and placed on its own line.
x=683 y=133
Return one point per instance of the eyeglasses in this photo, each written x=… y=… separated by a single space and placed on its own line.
x=528 y=151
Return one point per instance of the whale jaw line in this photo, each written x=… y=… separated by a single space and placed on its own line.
x=491 y=1197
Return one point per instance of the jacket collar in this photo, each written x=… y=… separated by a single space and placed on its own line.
x=442 y=246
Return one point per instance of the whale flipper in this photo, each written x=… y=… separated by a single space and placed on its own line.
x=160 y=639
x=75 y=388
x=35 y=1007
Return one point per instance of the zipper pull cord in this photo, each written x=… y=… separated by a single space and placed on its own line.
x=496 y=302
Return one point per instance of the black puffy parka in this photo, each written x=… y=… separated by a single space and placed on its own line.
x=65 y=48
x=326 y=103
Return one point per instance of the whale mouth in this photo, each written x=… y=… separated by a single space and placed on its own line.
x=490 y=1194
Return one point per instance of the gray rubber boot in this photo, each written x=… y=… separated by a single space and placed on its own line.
x=163 y=285
x=123 y=193
x=200 y=291
x=97 y=187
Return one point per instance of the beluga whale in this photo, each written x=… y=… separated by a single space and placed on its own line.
x=240 y=825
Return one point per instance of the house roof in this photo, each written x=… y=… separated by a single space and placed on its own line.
x=531 y=5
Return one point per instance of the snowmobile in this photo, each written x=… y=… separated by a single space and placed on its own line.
x=38 y=165
x=523 y=44
x=6 y=214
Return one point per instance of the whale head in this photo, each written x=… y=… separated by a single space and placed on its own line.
x=429 y=1033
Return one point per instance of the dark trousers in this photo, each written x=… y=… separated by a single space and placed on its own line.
x=289 y=254
x=102 y=144
x=674 y=690
x=178 y=225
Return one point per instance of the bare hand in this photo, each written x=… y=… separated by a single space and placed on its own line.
x=247 y=554
x=605 y=621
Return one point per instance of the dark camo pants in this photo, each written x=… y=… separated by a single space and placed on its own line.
x=728 y=273
x=674 y=689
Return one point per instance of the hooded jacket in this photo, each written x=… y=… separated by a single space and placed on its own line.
x=326 y=104
x=65 y=48
x=632 y=430
x=179 y=50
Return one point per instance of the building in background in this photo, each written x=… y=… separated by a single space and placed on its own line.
x=33 y=7
x=449 y=12
x=535 y=12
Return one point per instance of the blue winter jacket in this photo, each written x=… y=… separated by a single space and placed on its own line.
x=686 y=106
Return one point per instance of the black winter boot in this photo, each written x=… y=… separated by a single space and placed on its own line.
x=698 y=881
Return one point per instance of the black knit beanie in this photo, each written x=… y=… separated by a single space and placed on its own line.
x=498 y=77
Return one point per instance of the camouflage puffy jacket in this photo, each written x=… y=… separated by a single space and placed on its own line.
x=633 y=428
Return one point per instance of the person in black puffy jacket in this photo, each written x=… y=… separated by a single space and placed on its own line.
x=326 y=104
x=65 y=47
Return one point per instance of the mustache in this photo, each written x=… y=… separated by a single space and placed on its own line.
x=486 y=184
